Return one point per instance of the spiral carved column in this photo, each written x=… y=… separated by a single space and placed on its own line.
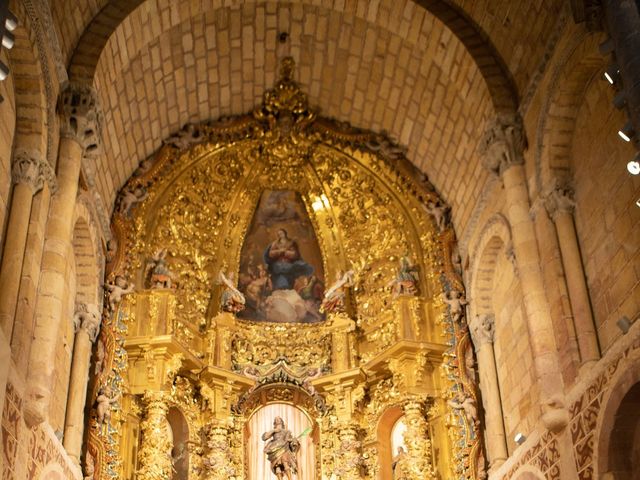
x=154 y=456
x=419 y=455
x=349 y=458
x=218 y=457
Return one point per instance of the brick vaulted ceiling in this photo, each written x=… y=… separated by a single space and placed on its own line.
x=430 y=72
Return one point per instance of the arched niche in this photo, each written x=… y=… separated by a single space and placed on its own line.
x=618 y=444
x=297 y=408
x=180 y=438
x=261 y=421
x=386 y=424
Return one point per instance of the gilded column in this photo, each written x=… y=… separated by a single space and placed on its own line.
x=419 y=457
x=503 y=148
x=28 y=175
x=154 y=456
x=79 y=124
x=87 y=324
x=561 y=206
x=218 y=459
x=482 y=329
x=349 y=458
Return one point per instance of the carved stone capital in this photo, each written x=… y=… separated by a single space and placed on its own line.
x=87 y=319
x=503 y=143
x=483 y=330
x=560 y=200
x=27 y=169
x=80 y=118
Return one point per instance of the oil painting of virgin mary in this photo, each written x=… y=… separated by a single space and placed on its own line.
x=281 y=272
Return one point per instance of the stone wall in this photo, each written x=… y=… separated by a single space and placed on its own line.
x=7 y=129
x=607 y=219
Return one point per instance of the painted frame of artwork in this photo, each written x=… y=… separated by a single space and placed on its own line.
x=281 y=271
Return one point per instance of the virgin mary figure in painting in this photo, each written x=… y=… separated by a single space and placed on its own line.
x=284 y=262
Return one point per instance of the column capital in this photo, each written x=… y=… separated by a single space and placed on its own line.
x=80 y=117
x=503 y=143
x=482 y=329
x=30 y=168
x=155 y=402
x=87 y=319
x=560 y=200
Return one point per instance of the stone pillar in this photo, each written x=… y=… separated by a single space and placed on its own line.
x=28 y=175
x=503 y=149
x=560 y=205
x=623 y=25
x=418 y=443
x=78 y=135
x=349 y=459
x=154 y=455
x=87 y=323
x=482 y=329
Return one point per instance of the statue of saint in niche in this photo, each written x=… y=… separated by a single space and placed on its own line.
x=281 y=449
x=281 y=272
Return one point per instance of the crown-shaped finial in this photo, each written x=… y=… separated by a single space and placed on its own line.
x=285 y=99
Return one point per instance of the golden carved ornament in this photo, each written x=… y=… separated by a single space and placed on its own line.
x=195 y=200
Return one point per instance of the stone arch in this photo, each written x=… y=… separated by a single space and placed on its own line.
x=85 y=58
x=386 y=423
x=495 y=236
x=88 y=257
x=618 y=426
x=29 y=77
x=527 y=472
x=578 y=65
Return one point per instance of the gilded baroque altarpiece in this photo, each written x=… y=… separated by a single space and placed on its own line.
x=181 y=373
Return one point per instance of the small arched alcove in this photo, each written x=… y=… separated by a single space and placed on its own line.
x=301 y=426
x=388 y=424
x=179 y=452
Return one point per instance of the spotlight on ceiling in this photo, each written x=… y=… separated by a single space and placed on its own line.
x=11 y=22
x=624 y=324
x=8 y=40
x=4 y=71
x=519 y=438
x=612 y=74
x=627 y=132
x=8 y=23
